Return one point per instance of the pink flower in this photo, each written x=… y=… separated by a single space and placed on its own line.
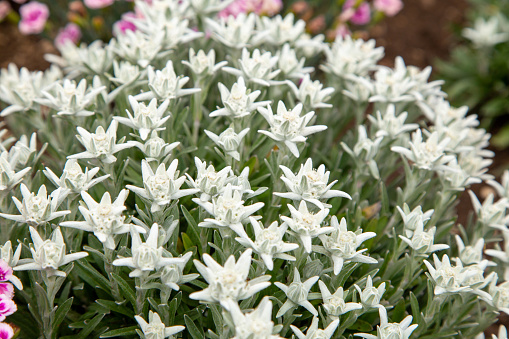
x=5 y=9
x=7 y=289
x=389 y=7
x=70 y=33
x=270 y=7
x=7 y=306
x=6 y=331
x=5 y=271
x=124 y=24
x=235 y=8
x=95 y=4
x=342 y=31
x=359 y=16
x=33 y=17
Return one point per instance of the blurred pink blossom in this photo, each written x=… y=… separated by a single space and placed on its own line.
x=359 y=16
x=124 y=24
x=95 y=4
x=270 y=7
x=7 y=306
x=5 y=9
x=6 y=331
x=7 y=289
x=235 y=8
x=33 y=17
x=71 y=32
x=389 y=7
x=342 y=30
x=266 y=7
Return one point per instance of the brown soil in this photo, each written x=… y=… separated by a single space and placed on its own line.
x=24 y=51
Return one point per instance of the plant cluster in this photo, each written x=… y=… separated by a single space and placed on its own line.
x=243 y=180
x=477 y=74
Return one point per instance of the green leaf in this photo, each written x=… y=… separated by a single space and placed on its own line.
x=92 y=276
x=193 y=330
x=115 y=307
x=120 y=332
x=361 y=325
x=126 y=289
x=188 y=243
x=192 y=230
x=91 y=325
x=61 y=312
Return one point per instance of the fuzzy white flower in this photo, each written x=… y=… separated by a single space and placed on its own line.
x=238 y=103
x=256 y=67
x=490 y=213
x=8 y=176
x=311 y=94
x=174 y=29
x=386 y=330
x=306 y=225
x=364 y=151
x=395 y=85
x=255 y=324
x=155 y=148
x=341 y=245
x=24 y=150
x=347 y=57
x=229 y=141
x=500 y=295
x=288 y=127
x=145 y=118
x=370 y=295
x=429 y=154
x=448 y=279
x=7 y=255
x=155 y=328
x=208 y=181
x=281 y=30
x=37 y=209
x=269 y=242
x=165 y=84
x=413 y=218
x=422 y=241
x=125 y=73
x=314 y=332
x=309 y=184
x=359 y=88
x=96 y=58
x=207 y=7
x=73 y=179
x=334 y=304
x=502 y=188
x=137 y=47
x=19 y=87
x=161 y=187
x=228 y=211
x=202 y=64
x=48 y=255
x=290 y=65
x=70 y=98
x=228 y=282
x=101 y=144
x=105 y=218
x=470 y=254
x=501 y=254
x=486 y=32
x=146 y=256
x=297 y=294
x=172 y=275
x=390 y=125
x=235 y=32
